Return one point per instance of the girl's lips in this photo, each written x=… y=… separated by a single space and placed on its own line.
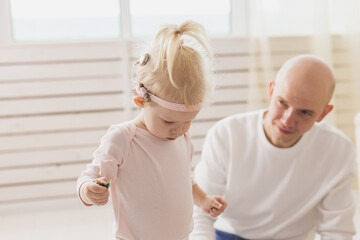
x=171 y=139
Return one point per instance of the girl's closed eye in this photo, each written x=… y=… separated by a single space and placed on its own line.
x=168 y=122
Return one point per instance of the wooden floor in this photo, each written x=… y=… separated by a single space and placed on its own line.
x=55 y=220
x=62 y=219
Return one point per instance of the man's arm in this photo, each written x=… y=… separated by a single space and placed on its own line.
x=210 y=175
x=337 y=209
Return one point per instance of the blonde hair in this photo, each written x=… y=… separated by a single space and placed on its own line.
x=175 y=70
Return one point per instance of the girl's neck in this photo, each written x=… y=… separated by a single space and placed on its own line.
x=139 y=122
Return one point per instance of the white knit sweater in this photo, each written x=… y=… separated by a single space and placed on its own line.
x=277 y=193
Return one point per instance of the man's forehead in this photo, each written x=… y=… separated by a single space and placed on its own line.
x=299 y=102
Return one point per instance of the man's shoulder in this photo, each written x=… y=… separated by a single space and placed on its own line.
x=237 y=123
x=246 y=117
x=329 y=133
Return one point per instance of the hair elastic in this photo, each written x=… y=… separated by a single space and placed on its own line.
x=143 y=92
x=144 y=59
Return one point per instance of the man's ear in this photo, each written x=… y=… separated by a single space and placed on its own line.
x=271 y=89
x=139 y=101
x=325 y=112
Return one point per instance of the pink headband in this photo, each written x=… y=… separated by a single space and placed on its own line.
x=143 y=92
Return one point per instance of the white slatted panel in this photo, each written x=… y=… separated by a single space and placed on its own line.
x=56 y=101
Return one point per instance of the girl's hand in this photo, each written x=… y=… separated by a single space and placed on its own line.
x=214 y=205
x=95 y=193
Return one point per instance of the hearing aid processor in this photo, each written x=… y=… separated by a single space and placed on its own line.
x=102 y=184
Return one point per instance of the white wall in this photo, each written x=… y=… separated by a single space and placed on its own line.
x=5 y=22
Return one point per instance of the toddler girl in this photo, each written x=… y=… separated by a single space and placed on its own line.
x=148 y=160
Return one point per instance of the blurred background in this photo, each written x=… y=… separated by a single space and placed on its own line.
x=65 y=77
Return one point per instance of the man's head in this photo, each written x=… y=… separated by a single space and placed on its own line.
x=299 y=97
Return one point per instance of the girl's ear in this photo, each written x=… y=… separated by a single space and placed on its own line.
x=139 y=101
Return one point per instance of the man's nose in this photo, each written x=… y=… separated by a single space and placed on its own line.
x=289 y=118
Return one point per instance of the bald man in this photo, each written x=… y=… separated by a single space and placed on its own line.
x=283 y=172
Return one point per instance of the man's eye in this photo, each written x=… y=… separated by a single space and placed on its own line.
x=306 y=113
x=281 y=102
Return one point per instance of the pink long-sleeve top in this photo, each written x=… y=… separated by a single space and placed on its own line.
x=151 y=186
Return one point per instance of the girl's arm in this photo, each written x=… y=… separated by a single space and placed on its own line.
x=212 y=205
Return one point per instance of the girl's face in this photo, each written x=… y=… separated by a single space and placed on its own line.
x=165 y=123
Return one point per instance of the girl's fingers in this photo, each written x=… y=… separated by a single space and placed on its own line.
x=216 y=204
x=100 y=200
x=96 y=188
x=220 y=200
x=98 y=196
x=100 y=203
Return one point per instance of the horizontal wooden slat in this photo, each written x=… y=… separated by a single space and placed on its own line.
x=343 y=72
x=349 y=132
x=342 y=88
x=290 y=44
x=230 y=95
x=220 y=111
x=200 y=128
x=242 y=46
x=228 y=63
x=72 y=154
x=67 y=87
x=229 y=79
x=40 y=174
x=230 y=46
x=62 y=122
x=340 y=43
x=343 y=103
x=345 y=118
x=225 y=63
x=37 y=191
x=62 y=104
x=59 y=70
x=43 y=141
x=61 y=52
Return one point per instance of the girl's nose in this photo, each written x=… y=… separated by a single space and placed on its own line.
x=176 y=130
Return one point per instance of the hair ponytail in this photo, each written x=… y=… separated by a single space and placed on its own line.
x=168 y=41
x=177 y=53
